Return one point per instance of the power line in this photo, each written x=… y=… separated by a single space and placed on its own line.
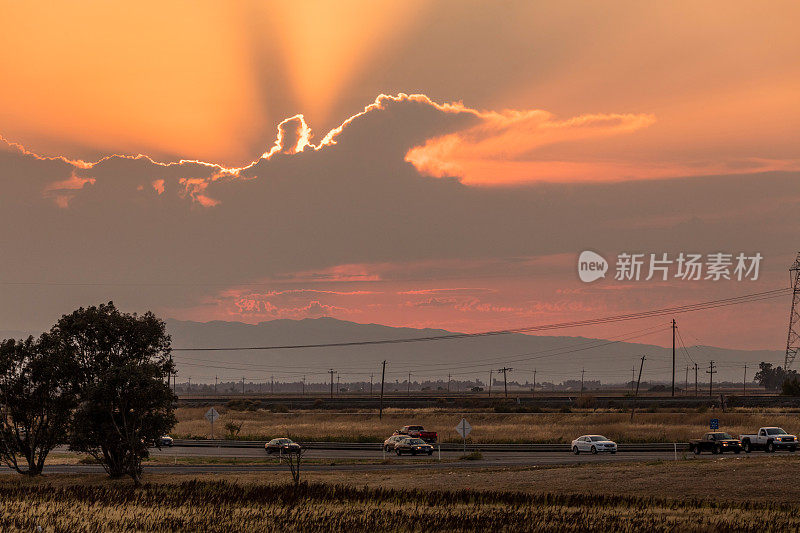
x=712 y=304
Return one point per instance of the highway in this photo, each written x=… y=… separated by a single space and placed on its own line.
x=500 y=458
x=345 y=460
x=373 y=459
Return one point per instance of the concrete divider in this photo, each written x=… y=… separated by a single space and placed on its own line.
x=446 y=446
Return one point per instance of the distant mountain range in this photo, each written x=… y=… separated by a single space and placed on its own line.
x=555 y=359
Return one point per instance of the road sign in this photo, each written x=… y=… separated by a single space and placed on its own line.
x=463 y=428
x=714 y=424
x=211 y=416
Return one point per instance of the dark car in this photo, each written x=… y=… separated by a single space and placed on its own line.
x=282 y=446
x=164 y=440
x=413 y=446
x=715 y=442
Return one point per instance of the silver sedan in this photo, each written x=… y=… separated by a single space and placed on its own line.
x=593 y=444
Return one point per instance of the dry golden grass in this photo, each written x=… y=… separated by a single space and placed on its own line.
x=684 y=495
x=487 y=426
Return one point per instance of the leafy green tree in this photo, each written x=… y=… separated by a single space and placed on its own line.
x=123 y=363
x=37 y=396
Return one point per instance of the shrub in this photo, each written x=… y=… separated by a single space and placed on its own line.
x=791 y=387
x=243 y=405
x=585 y=402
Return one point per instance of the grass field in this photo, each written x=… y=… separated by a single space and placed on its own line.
x=487 y=426
x=685 y=495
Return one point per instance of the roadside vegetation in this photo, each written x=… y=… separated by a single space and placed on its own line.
x=97 y=380
x=488 y=427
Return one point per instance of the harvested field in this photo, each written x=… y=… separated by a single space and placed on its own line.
x=487 y=426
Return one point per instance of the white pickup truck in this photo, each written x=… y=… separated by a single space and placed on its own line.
x=769 y=440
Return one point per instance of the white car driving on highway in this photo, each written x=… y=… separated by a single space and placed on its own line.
x=593 y=444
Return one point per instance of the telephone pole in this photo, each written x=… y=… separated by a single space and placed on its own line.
x=383 y=379
x=331 y=372
x=337 y=383
x=582 y=371
x=793 y=341
x=633 y=377
x=370 y=383
x=215 y=384
x=711 y=373
x=636 y=394
x=448 y=383
x=490 y=383
x=744 y=382
x=696 y=393
x=505 y=371
x=533 y=390
x=674 y=327
x=408 y=386
x=304 y=385
x=242 y=385
x=272 y=384
x=686 y=383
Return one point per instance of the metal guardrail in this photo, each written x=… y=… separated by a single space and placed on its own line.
x=446 y=446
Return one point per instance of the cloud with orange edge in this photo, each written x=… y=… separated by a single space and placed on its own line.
x=501 y=149
x=63 y=191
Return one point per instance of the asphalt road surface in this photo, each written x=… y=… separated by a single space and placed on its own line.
x=490 y=459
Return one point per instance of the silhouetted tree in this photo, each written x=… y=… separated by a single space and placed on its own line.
x=122 y=365
x=791 y=387
x=772 y=378
x=37 y=396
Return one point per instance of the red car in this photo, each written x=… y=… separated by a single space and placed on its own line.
x=418 y=432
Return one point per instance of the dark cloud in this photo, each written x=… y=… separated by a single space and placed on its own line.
x=354 y=202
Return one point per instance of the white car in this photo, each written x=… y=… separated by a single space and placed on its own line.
x=164 y=440
x=593 y=444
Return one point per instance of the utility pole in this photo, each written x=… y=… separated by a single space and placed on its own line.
x=686 y=383
x=189 y=387
x=242 y=385
x=505 y=371
x=174 y=383
x=448 y=383
x=272 y=384
x=408 y=387
x=636 y=394
x=331 y=372
x=304 y=384
x=533 y=390
x=674 y=327
x=490 y=384
x=633 y=377
x=383 y=379
x=696 y=393
x=370 y=383
x=337 y=383
x=711 y=373
x=582 y=371
x=216 y=378
x=744 y=382
x=793 y=342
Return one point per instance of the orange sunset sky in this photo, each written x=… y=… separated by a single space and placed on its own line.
x=419 y=163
